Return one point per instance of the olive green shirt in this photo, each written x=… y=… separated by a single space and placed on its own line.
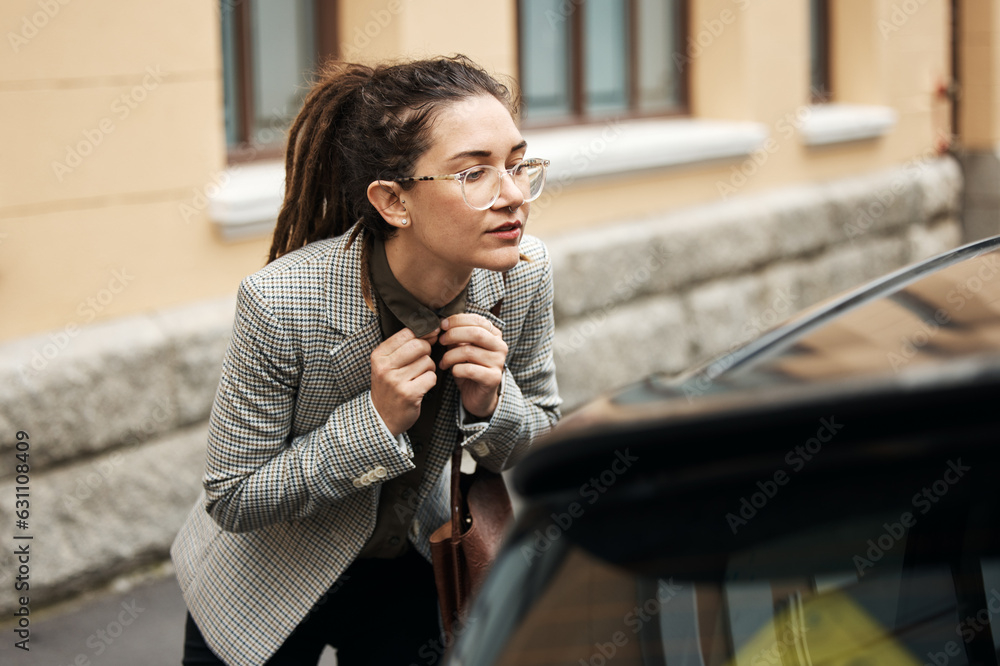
x=398 y=496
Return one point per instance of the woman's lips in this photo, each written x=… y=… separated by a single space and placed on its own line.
x=509 y=231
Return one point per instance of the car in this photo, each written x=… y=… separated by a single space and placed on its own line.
x=825 y=494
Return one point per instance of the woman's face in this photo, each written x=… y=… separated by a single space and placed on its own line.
x=442 y=228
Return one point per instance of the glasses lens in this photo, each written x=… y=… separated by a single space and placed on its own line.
x=481 y=187
x=530 y=177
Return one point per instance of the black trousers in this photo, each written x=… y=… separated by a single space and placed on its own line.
x=379 y=612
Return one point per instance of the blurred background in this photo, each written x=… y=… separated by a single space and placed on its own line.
x=717 y=166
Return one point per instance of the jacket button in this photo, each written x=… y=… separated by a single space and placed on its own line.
x=380 y=472
x=357 y=483
x=415 y=528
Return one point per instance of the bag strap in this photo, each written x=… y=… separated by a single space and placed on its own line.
x=456 y=462
x=456 y=493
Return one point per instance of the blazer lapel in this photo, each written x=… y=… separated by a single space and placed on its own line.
x=355 y=328
x=486 y=288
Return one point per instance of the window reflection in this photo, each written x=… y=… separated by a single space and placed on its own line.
x=760 y=614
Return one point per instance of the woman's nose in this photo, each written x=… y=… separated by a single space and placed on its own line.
x=509 y=191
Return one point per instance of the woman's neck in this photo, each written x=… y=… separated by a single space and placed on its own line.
x=432 y=285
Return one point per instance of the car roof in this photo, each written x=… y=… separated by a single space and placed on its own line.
x=919 y=339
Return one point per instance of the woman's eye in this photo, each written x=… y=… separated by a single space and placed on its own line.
x=518 y=169
x=474 y=174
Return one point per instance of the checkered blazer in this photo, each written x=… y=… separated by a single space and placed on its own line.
x=297 y=453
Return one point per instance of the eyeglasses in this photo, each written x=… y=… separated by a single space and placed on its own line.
x=481 y=184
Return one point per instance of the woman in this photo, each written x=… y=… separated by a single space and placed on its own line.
x=402 y=311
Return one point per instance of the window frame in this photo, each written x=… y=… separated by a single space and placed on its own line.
x=821 y=44
x=578 y=114
x=327 y=47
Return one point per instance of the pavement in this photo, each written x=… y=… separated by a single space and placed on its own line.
x=139 y=626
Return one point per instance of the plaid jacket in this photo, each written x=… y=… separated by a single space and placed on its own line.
x=297 y=453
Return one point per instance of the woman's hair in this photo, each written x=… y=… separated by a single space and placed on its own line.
x=361 y=124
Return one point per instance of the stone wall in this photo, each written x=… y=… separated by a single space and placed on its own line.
x=664 y=293
x=116 y=412
x=116 y=417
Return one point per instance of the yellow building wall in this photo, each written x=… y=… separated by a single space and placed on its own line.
x=979 y=109
x=137 y=87
x=112 y=122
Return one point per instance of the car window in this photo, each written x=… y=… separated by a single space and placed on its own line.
x=594 y=613
x=869 y=589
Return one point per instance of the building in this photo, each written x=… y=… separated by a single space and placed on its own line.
x=717 y=165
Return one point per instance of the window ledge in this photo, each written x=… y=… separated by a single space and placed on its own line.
x=839 y=123
x=628 y=146
x=248 y=200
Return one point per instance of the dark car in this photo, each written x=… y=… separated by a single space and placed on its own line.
x=827 y=494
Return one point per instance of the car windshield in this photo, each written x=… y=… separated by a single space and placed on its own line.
x=913 y=580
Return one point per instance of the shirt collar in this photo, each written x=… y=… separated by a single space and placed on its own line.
x=410 y=312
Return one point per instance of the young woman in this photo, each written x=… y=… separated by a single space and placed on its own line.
x=403 y=311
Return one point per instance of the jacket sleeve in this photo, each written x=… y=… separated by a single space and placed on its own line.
x=256 y=472
x=529 y=397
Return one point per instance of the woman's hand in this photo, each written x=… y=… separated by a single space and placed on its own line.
x=402 y=372
x=476 y=355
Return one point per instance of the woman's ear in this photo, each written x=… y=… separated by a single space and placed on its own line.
x=385 y=195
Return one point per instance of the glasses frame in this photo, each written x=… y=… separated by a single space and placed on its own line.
x=463 y=174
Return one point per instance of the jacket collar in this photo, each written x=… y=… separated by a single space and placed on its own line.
x=345 y=305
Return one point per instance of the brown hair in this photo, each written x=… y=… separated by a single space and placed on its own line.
x=361 y=124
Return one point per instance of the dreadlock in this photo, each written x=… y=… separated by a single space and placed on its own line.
x=361 y=124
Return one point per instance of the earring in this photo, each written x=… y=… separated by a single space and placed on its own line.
x=403 y=222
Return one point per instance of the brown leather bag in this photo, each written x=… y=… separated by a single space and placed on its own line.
x=464 y=547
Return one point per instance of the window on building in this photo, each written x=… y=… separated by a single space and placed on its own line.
x=585 y=60
x=819 y=55
x=269 y=50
